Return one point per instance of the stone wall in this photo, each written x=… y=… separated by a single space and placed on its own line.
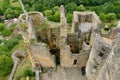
x=37 y=18
x=41 y=55
x=98 y=55
x=63 y=23
x=69 y=59
x=80 y=17
x=111 y=69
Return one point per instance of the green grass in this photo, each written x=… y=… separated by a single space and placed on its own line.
x=1 y=3
x=4 y=78
x=21 y=68
x=15 y=4
x=21 y=46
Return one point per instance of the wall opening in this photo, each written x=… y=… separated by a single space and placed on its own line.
x=83 y=70
x=55 y=51
x=75 y=62
x=87 y=43
x=74 y=48
x=102 y=52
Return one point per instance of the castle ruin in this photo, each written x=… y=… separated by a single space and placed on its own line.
x=83 y=54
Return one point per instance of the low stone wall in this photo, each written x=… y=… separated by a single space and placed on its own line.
x=15 y=56
x=37 y=18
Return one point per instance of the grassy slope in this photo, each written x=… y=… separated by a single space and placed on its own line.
x=26 y=64
x=1 y=2
x=15 y=4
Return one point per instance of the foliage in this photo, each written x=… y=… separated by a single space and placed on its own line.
x=55 y=17
x=2 y=26
x=48 y=13
x=6 y=64
x=32 y=41
x=103 y=16
x=71 y=6
x=112 y=25
x=6 y=4
x=28 y=72
x=81 y=8
x=55 y=9
x=4 y=48
x=10 y=11
x=69 y=17
x=1 y=11
x=23 y=26
x=38 y=7
x=108 y=7
x=111 y=16
x=1 y=20
x=6 y=33
x=11 y=43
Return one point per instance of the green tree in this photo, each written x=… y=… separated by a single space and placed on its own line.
x=108 y=7
x=69 y=17
x=81 y=8
x=6 y=4
x=6 y=33
x=56 y=17
x=1 y=20
x=28 y=72
x=38 y=7
x=6 y=65
x=2 y=26
x=111 y=16
x=4 y=48
x=103 y=16
x=48 y=13
x=71 y=6
x=55 y=9
x=1 y=12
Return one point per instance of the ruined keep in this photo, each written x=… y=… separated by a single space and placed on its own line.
x=83 y=54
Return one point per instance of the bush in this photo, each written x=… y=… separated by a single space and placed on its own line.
x=6 y=65
x=3 y=48
x=81 y=8
x=103 y=16
x=71 y=6
x=28 y=72
x=6 y=33
x=2 y=26
x=1 y=20
x=55 y=17
x=111 y=16
x=69 y=17
x=11 y=43
x=112 y=25
x=55 y=9
x=48 y=13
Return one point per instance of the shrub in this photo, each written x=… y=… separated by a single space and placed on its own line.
x=2 y=26
x=6 y=33
x=6 y=65
x=71 y=6
x=81 y=8
x=69 y=17
x=103 y=16
x=111 y=16
x=28 y=72
x=11 y=43
x=48 y=13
